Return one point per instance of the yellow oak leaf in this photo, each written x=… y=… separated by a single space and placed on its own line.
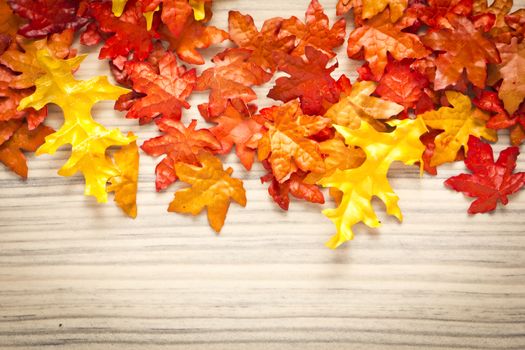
x=359 y=185
x=88 y=139
x=125 y=183
x=457 y=123
x=212 y=187
x=359 y=105
x=373 y=7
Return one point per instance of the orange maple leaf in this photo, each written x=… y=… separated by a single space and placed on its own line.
x=315 y=31
x=212 y=188
x=286 y=143
x=465 y=48
x=179 y=144
x=231 y=78
x=265 y=44
x=378 y=36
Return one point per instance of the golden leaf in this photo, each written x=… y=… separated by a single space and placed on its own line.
x=359 y=185
x=125 y=183
x=212 y=187
x=458 y=122
x=373 y=7
x=89 y=140
x=359 y=105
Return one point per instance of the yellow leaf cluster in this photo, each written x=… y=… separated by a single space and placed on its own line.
x=360 y=184
x=89 y=140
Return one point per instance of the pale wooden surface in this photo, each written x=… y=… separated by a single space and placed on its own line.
x=77 y=275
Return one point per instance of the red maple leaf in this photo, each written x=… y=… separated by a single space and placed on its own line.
x=194 y=35
x=231 y=78
x=490 y=181
x=179 y=144
x=309 y=80
x=130 y=34
x=402 y=84
x=265 y=44
x=280 y=192
x=47 y=16
x=240 y=129
x=165 y=89
x=489 y=101
x=315 y=31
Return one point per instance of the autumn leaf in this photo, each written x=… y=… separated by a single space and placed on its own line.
x=490 y=181
x=231 y=78
x=265 y=44
x=373 y=7
x=128 y=33
x=402 y=84
x=457 y=123
x=315 y=31
x=377 y=37
x=185 y=34
x=359 y=105
x=336 y=155
x=166 y=88
x=194 y=35
x=125 y=183
x=212 y=188
x=500 y=119
x=512 y=72
x=359 y=185
x=179 y=144
x=465 y=49
x=22 y=59
x=88 y=139
x=286 y=144
x=437 y=13
x=237 y=128
x=22 y=139
x=47 y=16
x=309 y=80
x=9 y=22
x=295 y=186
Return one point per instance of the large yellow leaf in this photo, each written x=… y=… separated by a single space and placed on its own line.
x=457 y=123
x=359 y=105
x=212 y=187
x=359 y=185
x=125 y=183
x=88 y=139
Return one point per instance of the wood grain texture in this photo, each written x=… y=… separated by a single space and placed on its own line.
x=78 y=275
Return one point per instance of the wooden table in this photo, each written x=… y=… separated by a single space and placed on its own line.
x=78 y=275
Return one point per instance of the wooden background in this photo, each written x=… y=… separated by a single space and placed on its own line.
x=77 y=275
